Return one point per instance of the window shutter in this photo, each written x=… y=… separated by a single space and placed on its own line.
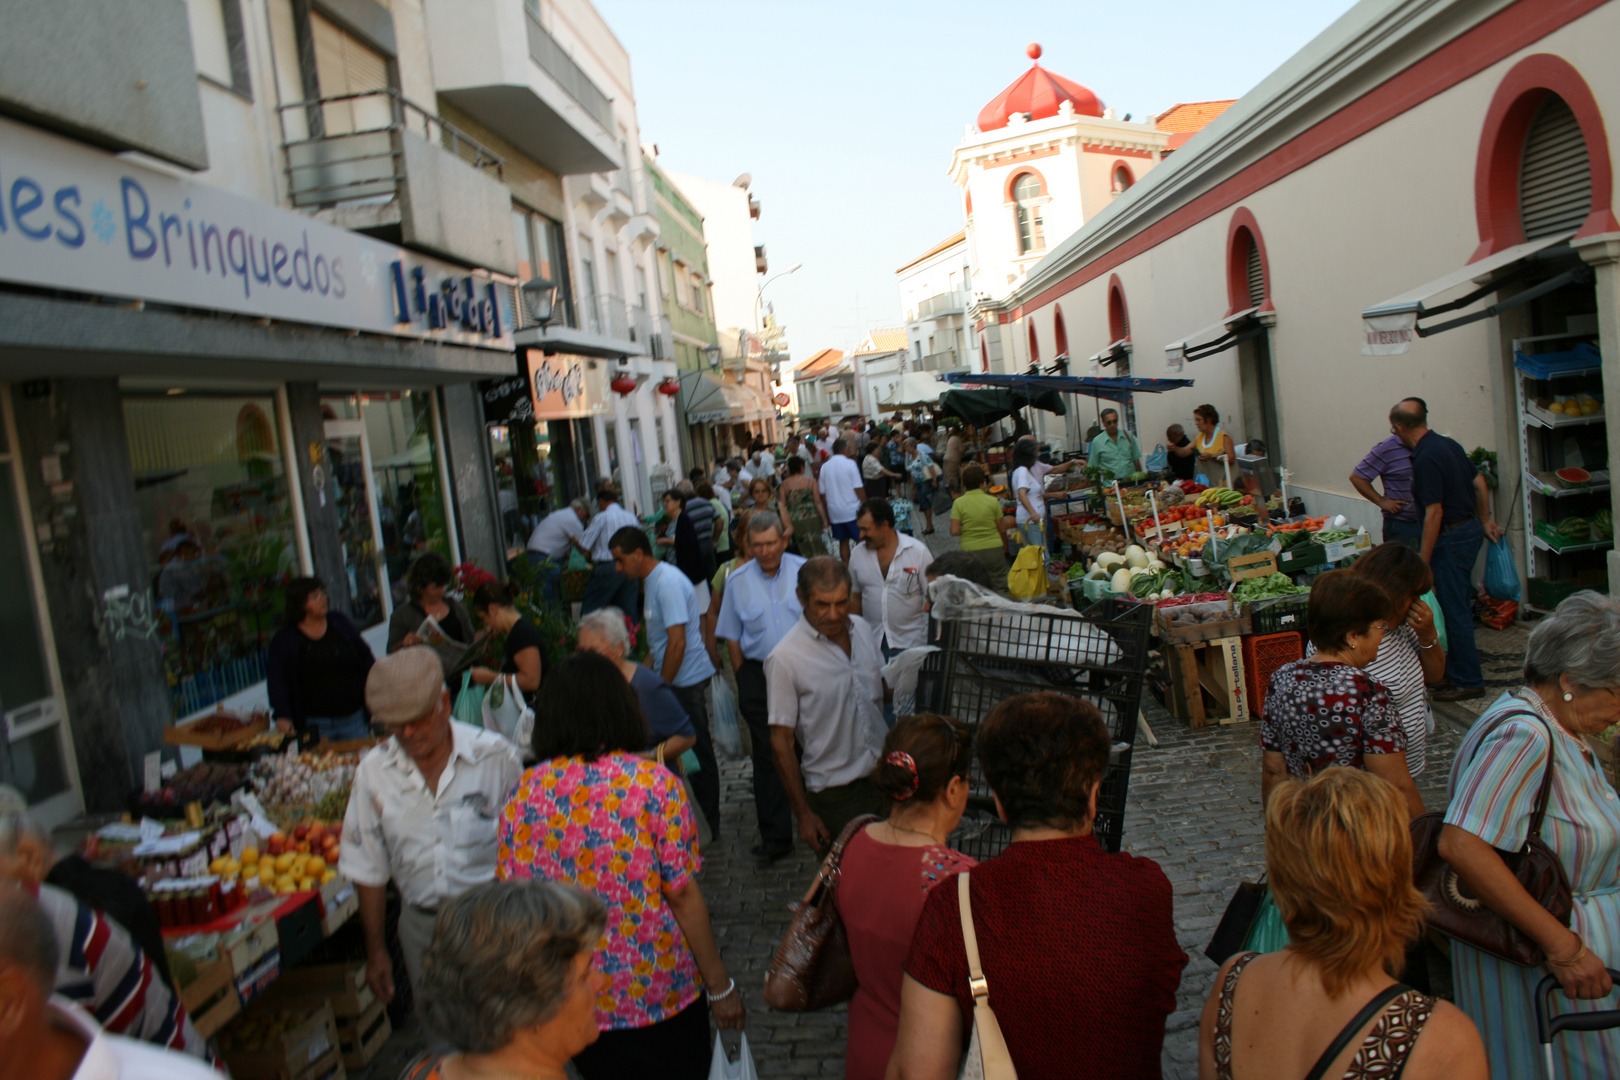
x=1555 y=175
x=1257 y=276
x=345 y=65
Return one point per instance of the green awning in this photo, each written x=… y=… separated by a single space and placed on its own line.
x=983 y=407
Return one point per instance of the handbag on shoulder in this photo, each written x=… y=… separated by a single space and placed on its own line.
x=1237 y=921
x=1460 y=915
x=987 y=1057
x=812 y=968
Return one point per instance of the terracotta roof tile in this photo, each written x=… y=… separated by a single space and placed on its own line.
x=821 y=362
x=1191 y=116
x=888 y=339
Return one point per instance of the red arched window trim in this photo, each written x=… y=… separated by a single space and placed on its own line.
x=1034 y=344
x=1013 y=178
x=1130 y=174
x=1119 y=319
x=984 y=355
x=1242 y=232
x=1060 y=333
x=1501 y=147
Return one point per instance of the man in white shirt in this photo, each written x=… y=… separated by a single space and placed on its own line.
x=607 y=587
x=423 y=809
x=554 y=538
x=48 y=1038
x=1029 y=487
x=844 y=489
x=888 y=572
x=826 y=694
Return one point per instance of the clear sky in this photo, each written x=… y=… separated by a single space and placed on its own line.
x=845 y=113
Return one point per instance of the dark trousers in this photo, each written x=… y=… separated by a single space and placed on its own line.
x=678 y=1048
x=609 y=588
x=838 y=806
x=770 y=797
x=1453 y=566
x=1406 y=532
x=706 y=781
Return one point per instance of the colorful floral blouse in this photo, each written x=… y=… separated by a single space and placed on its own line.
x=1319 y=714
x=620 y=827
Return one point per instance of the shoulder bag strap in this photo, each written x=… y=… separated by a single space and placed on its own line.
x=992 y=1047
x=1545 y=793
x=827 y=875
x=1357 y=1022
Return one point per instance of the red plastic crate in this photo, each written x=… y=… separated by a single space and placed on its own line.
x=1264 y=654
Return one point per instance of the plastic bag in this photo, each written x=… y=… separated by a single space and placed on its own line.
x=1439 y=617
x=721 y=1067
x=1027 y=577
x=1501 y=573
x=900 y=674
x=1159 y=460
x=469 y=707
x=506 y=712
x=724 y=720
x=942 y=501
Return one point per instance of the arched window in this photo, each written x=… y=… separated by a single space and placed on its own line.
x=1034 y=344
x=1254 y=274
x=1122 y=178
x=1555 y=174
x=1060 y=333
x=1119 y=320
x=1248 y=274
x=1027 y=195
x=984 y=356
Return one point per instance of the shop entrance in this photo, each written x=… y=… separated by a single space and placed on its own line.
x=1259 y=389
x=352 y=487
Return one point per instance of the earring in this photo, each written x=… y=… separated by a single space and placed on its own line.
x=1569 y=696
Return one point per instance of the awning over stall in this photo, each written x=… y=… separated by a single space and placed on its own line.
x=1232 y=330
x=984 y=407
x=708 y=400
x=1391 y=326
x=1108 y=389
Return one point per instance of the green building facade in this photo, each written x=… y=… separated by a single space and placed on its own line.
x=683 y=272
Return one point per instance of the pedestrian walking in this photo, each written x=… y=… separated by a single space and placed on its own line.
x=524 y=654
x=888 y=573
x=553 y=540
x=977 y=520
x=953 y=460
x=508 y=982
x=844 y=490
x=1410 y=654
x=693 y=558
x=1456 y=515
x=1390 y=462
x=873 y=472
x=595 y=814
x=674 y=623
x=924 y=475
x=1339 y=859
x=889 y=868
x=826 y=702
x=422 y=809
x=607 y=587
x=1115 y=451
x=706 y=519
x=669 y=729
x=799 y=503
x=315 y=675
x=426 y=582
x=760 y=605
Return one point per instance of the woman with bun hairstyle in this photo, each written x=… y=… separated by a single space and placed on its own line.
x=525 y=655
x=889 y=868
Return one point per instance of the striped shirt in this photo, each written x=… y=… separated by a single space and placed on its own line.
x=1399 y=667
x=105 y=972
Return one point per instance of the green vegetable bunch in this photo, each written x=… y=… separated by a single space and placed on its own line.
x=1265 y=588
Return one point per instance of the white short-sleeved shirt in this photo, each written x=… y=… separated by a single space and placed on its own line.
x=835 y=702
x=1031 y=478
x=601 y=529
x=432 y=845
x=113 y=1057
x=551 y=537
x=894 y=604
x=840 y=478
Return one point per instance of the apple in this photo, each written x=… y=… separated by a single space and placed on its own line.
x=337 y=831
x=301 y=846
x=301 y=832
x=317 y=833
x=276 y=845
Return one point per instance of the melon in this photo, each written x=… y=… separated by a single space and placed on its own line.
x=1573 y=476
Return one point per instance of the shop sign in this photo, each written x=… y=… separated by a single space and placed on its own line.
x=507 y=401
x=1389 y=335
x=76 y=218
x=565 y=386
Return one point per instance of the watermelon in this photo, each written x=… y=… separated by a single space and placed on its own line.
x=1573 y=476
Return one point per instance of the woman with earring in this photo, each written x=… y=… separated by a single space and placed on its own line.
x=1572 y=688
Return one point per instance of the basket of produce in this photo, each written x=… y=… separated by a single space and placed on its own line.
x=205 y=782
x=1133 y=574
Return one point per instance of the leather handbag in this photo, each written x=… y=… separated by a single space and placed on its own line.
x=987 y=1056
x=1457 y=913
x=1237 y=921
x=812 y=968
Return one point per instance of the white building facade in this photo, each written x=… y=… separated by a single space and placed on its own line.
x=935 y=289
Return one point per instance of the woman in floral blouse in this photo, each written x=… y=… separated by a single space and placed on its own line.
x=595 y=814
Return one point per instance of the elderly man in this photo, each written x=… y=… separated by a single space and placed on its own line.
x=675 y=639
x=49 y=1038
x=554 y=538
x=1114 y=450
x=1390 y=462
x=1455 y=506
x=844 y=489
x=887 y=570
x=607 y=587
x=826 y=695
x=758 y=607
x=423 y=808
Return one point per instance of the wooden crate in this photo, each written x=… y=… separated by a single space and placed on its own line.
x=340 y=901
x=1206 y=681
x=211 y=999
x=361 y=1037
x=342 y=986
x=304 y=1049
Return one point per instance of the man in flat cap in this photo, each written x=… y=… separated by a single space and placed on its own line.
x=423 y=808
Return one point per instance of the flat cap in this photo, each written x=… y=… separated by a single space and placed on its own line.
x=404 y=686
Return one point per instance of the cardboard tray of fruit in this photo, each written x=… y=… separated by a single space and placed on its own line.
x=221 y=731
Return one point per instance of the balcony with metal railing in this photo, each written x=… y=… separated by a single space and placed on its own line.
x=381 y=164
x=945 y=303
x=939 y=361
x=607 y=326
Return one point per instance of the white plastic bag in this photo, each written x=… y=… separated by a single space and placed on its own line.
x=724 y=721
x=506 y=712
x=722 y=1067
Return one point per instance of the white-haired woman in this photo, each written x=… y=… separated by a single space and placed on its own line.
x=508 y=981
x=1572 y=688
x=604 y=632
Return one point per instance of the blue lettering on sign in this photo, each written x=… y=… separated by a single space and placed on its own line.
x=402 y=313
x=63 y=197
x=27 y=197
x=136 y=223
x=456 y=300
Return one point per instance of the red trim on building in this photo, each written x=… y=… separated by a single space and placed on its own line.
x=1034 y=344
x=1022 y=155
x=1060 y=333
x=1491 y=41
x=1121 y=151
x=1240 y=233
x=1130 y=175
x=984 y=355
x=1119 y=317
x=1501 y=149
x=1012 y=178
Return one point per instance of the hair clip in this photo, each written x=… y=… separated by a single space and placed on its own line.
x=904 y=760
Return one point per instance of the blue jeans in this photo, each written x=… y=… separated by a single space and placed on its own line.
x=1405 y=532
x=1030 y=531
x=340 y=728
x=554 y=572
x=1453 y=566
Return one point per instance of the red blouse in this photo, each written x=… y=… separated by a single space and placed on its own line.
x=881 y=888
x=1080 y=952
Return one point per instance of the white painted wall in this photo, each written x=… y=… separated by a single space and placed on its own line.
x=729 y=230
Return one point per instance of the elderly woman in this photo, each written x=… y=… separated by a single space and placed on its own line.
x=1044 y=756
x=889 y=868
x=1531 y=736
x=508 y=981
x=1340 y=859
x=595 y=813
x=604 y=633
x=426 y=581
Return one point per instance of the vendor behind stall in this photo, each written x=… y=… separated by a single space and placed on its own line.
x=1114 y=450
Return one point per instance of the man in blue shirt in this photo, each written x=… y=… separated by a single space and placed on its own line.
x=759 y=606
x=1455 y=509
x=675 y=639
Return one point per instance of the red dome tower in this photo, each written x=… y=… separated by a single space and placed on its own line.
x=1039 y=93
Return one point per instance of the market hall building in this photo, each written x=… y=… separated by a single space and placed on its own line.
x=1412 y=156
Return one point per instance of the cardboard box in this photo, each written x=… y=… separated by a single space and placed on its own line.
x=342 y=986
x=1302 y=556
x=361 y=1037
x=340 y=901
x=303 y=1049
x=298 y=931
x=1340 y=550
x=254 y=951
x=211 y=999
x=188 y=735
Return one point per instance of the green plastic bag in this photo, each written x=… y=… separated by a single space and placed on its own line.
x=469 y=706
x=1439 y=617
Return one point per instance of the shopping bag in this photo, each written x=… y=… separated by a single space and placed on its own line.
x=1027 y=577
x=721 y=1067
x=1238 y=919
x=942 y=501
x=1159 y=460
x=725 y=721
x=1501 y=574
x=506 y=712
x=469 y=707
x=1439 y=617
x=690 y=763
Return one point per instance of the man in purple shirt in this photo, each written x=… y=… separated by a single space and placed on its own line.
x=1392 y=461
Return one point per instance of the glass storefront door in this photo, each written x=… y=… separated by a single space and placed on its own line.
x=352 y=490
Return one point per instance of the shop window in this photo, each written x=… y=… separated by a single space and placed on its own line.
x=405 y=467
x=218 y=44
x=1555 y=174
x=217 y=522
x=541 y=255
x=1027 y=197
